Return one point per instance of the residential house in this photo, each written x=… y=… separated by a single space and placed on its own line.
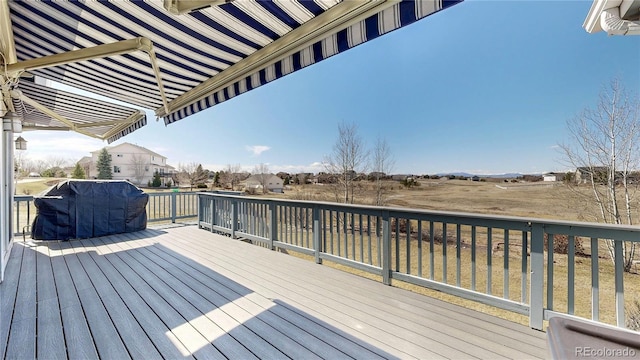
x=272 y=182
x=583 y=174
x=550 y=177
x=130 y=162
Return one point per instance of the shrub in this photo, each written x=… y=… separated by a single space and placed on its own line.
x=561 y=244
x=149 y=183
x=633 y=315
x=201 y=186
x=168 y=184
x=156 y=182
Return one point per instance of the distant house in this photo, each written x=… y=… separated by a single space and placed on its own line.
x=272 y=182
x=475 y=178
x=401 y=177
x=130 y=162
x=583 y=174
x=549 y=177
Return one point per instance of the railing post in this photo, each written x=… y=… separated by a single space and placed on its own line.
x=317 y=244
x=174 y=205
x=536 y=290
x=213 y=211
x=619 y=283
x=386 y=248
x=234 y=217
x=273 y=231
x=200 y=211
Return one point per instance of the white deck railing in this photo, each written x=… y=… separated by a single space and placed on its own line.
x=496 y=260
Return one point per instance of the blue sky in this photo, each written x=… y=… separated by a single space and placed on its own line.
x=483 y=87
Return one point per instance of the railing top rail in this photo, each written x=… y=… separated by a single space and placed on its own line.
x=573 y=226
x=23 y=197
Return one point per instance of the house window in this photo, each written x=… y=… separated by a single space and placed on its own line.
x=153 y=158
x=146 y=168
x=116 y=169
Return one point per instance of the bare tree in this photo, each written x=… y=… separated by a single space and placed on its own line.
x=348 y=159
x=232 y=175
x=261 y=172
x=191 y=173
x=56 y=162
x=140 y=166
x=604 y=146
x=22 y=163
x=382 y=164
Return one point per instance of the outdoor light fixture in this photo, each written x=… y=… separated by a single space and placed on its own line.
x=11 y=122
x=21 y=143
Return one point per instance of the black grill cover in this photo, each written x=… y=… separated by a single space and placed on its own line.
x=80 y=209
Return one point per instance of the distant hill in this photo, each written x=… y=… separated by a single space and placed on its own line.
x=498 y=176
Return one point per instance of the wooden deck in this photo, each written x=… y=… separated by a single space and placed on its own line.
x=186 y=293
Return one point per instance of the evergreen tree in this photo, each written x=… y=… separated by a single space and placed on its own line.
x=104 y=165
x=78 y=172
x=156 y=180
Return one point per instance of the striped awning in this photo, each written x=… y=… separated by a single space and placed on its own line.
x=192 y=61
x=45 y=108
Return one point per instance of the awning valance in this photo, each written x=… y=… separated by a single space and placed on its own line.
x=199 y=59
x=45 y=108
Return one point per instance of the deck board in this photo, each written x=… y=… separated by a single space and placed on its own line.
x=254 y=332
x=79 y=342
x=445 y=328
x=8 y=298
x=51 y=342
x=22 y=337
x=152 y=324
x=183 y=292
x=240 y=307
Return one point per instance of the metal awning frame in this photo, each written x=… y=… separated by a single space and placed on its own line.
x=334 y=19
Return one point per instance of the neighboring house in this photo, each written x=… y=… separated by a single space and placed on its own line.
x=549 y=177
x=273 y=183
x=401 y=177
x=130 y=162
x=583 y=174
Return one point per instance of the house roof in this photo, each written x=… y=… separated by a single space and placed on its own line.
x=255 y=177
x=85 y=160
x=142 y=148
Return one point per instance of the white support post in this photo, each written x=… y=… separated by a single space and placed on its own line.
x=10 y=124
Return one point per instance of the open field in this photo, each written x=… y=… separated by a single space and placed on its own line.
x=539 y=200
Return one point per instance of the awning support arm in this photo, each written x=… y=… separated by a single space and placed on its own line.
x=304 y=35
x=128 y=122
x=94 y=52
x=43 y=109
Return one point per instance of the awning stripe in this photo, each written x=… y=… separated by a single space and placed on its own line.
x=390 y=19
x=204 y=62
x=135 y=126
x=80 y=110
